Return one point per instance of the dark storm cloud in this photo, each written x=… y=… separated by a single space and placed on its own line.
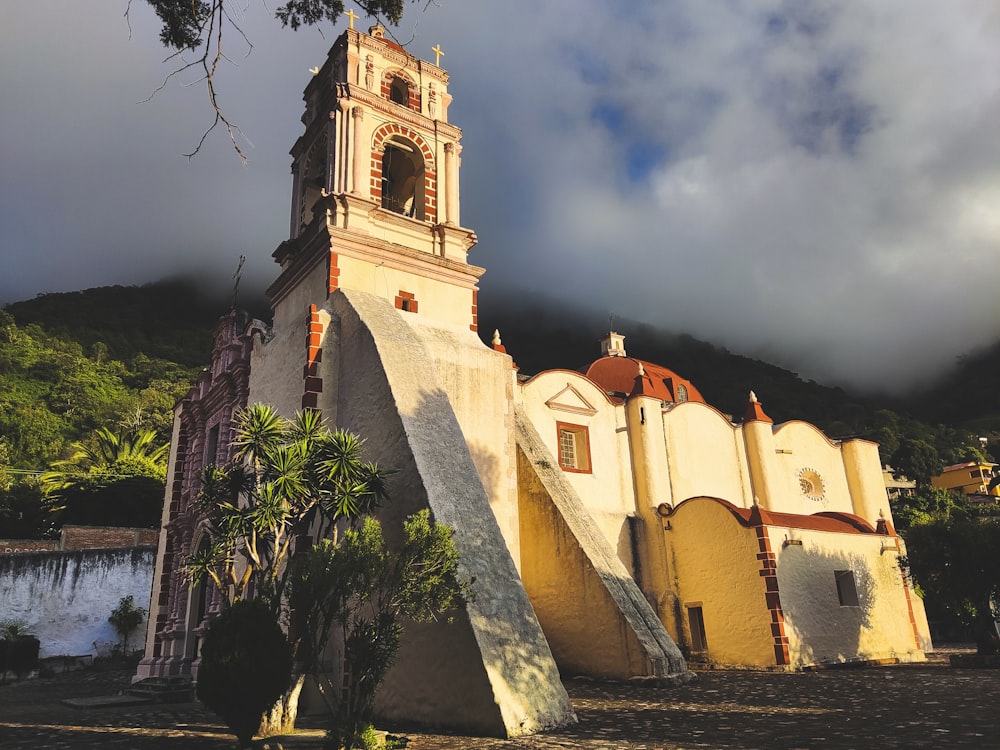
x=819 y=181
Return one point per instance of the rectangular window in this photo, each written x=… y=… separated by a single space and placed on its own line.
x=574 y=447
x=696 y=621
x=847 y=591
x=212 y=446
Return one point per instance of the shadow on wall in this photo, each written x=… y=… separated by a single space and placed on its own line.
x=828 y=601
x=485 y=459
x=490 y=671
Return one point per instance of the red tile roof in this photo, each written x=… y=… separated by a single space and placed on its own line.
x=620 y=375
x=842 y=523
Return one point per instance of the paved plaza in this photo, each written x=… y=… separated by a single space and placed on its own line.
x=905 y=706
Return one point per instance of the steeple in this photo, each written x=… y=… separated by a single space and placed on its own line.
x=375 y=183
x=613 y=345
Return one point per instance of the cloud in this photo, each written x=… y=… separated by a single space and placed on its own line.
x=814 y=181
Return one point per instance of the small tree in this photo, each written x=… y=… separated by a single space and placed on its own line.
x=246 y=665
x=125 y=618
x=289 y=477
x=18 y=648
x=362 y=589
x=955 y=562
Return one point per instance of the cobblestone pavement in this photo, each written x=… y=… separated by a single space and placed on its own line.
x=904 y=706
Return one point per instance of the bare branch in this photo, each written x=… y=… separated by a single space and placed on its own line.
x=197 y=26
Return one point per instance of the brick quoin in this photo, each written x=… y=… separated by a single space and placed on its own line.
x=312 y=382
x=768 y=572
x=333 y=278
x=909 y=607
x=475 y=310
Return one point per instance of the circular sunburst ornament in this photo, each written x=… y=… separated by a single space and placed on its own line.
x=811 y=484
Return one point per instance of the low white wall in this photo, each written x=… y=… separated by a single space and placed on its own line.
x=65 y=598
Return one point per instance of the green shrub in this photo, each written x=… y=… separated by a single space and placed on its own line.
x=18 y=648
x=246 y=665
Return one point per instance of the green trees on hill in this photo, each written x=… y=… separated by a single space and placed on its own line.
x=63 y=406
x=117 y=479
x=952 y=557
x=53 y=393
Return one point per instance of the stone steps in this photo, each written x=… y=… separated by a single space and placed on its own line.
x=173 y=689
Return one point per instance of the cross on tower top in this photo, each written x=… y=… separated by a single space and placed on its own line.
x=352 y=16
x=436 y=49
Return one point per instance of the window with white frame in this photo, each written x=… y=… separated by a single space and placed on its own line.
x=574 y=447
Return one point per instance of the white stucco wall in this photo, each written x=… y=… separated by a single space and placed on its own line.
x=479 y=383
x=798 y=446
x=713 y=565
x=706 y=455
x=818 y=627
x=607 y=489
x=65 y=598
x=276 y=376
x=490 y=670
x=436 y=299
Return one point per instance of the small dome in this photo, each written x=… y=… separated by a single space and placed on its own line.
x=635 y=377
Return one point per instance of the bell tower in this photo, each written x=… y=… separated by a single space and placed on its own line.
x=375 y=198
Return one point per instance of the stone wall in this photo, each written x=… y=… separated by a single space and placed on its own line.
x=65 y=597
x=84 y=537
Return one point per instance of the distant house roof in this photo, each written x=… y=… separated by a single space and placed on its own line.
x=968 y=465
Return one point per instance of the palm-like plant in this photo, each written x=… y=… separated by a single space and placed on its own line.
x=289 y=478
x=128 y=452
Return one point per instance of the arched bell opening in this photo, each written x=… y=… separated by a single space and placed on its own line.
x=313 y=182
x=399 y=92
x=403 y=179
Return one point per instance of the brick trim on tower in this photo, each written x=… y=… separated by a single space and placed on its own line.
x=430 y=171
x=333 y=274
x=475 y=310
x=412 y=90
x=313 y=383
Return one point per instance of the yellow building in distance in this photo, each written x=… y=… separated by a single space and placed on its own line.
x=972 y=478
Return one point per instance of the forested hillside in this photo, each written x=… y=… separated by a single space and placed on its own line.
x=119 y=358
x=72 y=362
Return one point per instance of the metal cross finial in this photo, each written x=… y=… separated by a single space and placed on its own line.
x=238 y=275
x=436 y=49
x=351 y=15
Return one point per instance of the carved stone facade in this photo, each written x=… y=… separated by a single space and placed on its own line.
x=202 y=425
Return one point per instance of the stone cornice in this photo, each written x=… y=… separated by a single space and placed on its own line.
x=400 y=113
x=304 y=254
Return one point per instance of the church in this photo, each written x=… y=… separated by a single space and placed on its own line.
x=616 y=524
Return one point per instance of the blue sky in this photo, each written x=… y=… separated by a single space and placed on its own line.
x=816 y=182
